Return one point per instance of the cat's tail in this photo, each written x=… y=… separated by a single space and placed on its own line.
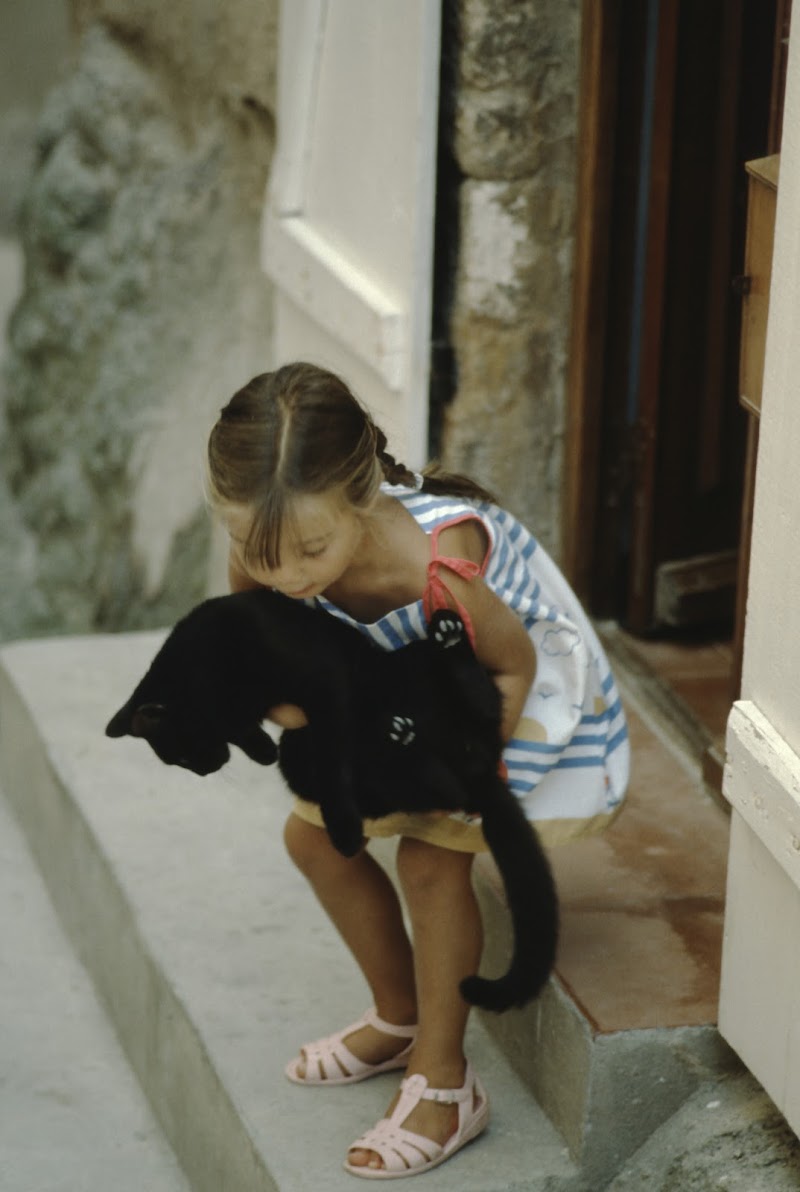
x=532 y=902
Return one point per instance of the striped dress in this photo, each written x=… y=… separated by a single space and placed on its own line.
x=568 y=761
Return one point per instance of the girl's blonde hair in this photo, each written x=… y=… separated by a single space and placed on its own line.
x=299 y=430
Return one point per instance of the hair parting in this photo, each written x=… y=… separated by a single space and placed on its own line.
x=296 y=431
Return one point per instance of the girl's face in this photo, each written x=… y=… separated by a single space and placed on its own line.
x=316 y=549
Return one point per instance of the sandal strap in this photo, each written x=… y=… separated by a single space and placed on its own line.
x=418 y=1088
x=330 y=1059
x=371 y=1018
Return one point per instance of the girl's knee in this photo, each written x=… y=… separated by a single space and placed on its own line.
x=423 y=868
x=309 y=846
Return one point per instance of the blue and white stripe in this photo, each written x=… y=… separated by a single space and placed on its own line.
x=579 y=770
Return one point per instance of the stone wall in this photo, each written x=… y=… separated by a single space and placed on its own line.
x=513 y=139
x=144 y=307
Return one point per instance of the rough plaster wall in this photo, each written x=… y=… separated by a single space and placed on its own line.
x=514 y=140
x=144 y=307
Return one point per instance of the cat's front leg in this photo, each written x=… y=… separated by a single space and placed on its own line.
x=258 y=745
x=471 y=685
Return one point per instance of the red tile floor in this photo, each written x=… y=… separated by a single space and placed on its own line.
x=642 y=904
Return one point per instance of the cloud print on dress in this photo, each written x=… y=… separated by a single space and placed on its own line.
x=560 y=642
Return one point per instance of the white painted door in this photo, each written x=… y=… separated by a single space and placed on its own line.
x=348 y=227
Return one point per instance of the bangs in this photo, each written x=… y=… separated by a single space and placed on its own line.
x=271 y=520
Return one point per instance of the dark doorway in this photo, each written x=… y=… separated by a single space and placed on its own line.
x=676 y=97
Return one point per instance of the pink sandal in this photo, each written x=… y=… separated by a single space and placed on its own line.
x=329 y=1062
x=406 y=1153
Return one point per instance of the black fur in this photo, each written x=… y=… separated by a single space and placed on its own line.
x=414 y=729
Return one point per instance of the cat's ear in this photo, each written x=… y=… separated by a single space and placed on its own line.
x=120 y=724
x=135 y=722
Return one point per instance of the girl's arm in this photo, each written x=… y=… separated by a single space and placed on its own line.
x=502 y=643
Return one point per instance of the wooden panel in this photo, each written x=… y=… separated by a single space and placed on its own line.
x=696 y=591
x=761 y=199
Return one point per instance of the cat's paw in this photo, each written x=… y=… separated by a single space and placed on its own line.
x=446 y=629
x=402 y=730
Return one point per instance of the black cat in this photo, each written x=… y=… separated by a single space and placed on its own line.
x=413 y=729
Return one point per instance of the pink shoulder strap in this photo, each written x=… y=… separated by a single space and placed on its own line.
x=437 y=594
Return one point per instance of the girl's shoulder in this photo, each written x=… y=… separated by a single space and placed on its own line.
x=430 y=510
x=465 y=539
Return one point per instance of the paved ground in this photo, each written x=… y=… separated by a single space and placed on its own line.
x=728 y=1137
x=72 y=1116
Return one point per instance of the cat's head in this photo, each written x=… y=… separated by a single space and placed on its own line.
x=190 y=707
x=171 y=736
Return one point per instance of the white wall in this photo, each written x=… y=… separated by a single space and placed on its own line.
x=760 y=989
x=771 y=677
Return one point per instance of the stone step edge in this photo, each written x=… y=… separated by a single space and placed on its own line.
x=99 y=920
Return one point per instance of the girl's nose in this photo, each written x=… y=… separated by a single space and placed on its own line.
x=287 y=578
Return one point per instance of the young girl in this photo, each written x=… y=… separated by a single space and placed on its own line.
x=317 y=508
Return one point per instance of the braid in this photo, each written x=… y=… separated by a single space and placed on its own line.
x=435 y=479
x=393 y=472
x=440 y=483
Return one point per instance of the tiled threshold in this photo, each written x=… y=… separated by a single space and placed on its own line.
x=642 y=904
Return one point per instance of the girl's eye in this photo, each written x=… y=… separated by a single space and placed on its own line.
x=314 y=554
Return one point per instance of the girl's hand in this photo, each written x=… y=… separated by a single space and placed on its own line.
x=287 y=716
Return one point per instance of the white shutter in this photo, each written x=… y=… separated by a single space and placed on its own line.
x=348 y=227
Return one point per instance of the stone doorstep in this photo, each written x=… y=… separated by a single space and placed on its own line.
x=605 y=1091
x=625 y=1031
x=207 y=950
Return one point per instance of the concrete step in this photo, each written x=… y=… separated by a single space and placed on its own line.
x=207 y=949
x=72 y=1116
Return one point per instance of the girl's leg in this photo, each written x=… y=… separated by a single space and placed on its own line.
x=362 y=903
x=448 y=940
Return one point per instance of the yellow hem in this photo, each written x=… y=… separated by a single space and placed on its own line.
x=446 y=831
x=431 y=826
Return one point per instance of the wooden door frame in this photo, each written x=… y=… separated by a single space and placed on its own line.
x=590 y=351
x=597 y=99
x=587 y=357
